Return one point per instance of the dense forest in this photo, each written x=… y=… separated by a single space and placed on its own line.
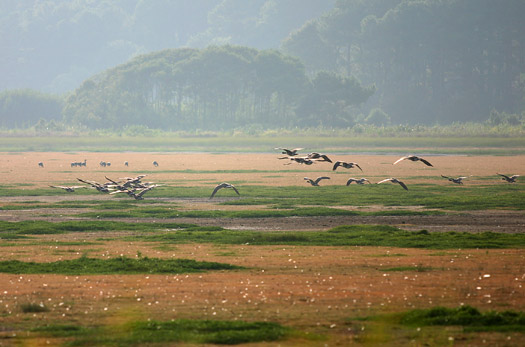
x=222 y=64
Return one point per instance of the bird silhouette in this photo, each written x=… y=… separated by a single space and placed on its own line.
x=457 y=180
x=155 y=164
x=346 y=165
x=289 y=152
x=394 y=180
x=224 y=185
x=510 y=179
x=318 y=157
x=317 y=180
x=413 y=158
x=69 y=189
x=358 y=181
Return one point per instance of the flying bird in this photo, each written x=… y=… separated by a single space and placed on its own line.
x=457 y=180
x=358 y=181
x=346 y=165
x=224 y=185
x=289 y=152
x=300 y=160
x=317 y=180
x=394 y=180
x=510 y=179
x=413 y=158
x=318 y=157
x=69 y=189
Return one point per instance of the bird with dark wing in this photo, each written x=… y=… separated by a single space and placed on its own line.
x=413 y=158
x=318 y=157
x=457 y=180
x=224 y=185
x=315 y=182
x=358 y=181
x=289 y=152
x=394 y=180
x=103 y=188
x=510 y=179
x=346 y=165
x=300 y=160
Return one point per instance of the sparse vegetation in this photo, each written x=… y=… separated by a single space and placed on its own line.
x=159 y=332
x=120 y=265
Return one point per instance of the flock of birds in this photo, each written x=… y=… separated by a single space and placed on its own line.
x=132 y=186
x=135 y=188
x=310 y=158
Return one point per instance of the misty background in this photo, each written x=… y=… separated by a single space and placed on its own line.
x=224 y=64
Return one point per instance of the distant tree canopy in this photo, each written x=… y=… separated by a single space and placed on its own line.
x=23 y=108
x=432 y=61
x=214 y=88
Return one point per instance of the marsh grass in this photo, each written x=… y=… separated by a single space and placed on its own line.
x=169 y=332
x=349 y=235
x=18 y=229
x=470 y=318
x=119 y=265
x=33 y=308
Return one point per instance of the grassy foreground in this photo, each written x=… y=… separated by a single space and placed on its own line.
x=160 y=332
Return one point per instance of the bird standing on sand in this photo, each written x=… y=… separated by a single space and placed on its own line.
x=317 y=180
x=394 y=180
x=413 y=158
x=224 y=185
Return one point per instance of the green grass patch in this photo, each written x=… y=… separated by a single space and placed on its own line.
x=17 y=229
x=169 y=332
x=470 y=318
x=33 y=308
x=119 y=265
x=348 y=235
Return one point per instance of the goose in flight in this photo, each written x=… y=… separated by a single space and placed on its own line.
x=394 y=180
x=300 y=160
x=358 y=181
x=133 y=192
x=413 y=158
x=510 y=179
x=346 y=165
x=69 y=189
x=317 y=180
x=100 y=187
x=224 y=185
x=289 y=152
x=318 y=157
x=457 y=180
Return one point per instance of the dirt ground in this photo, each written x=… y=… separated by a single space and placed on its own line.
x=314 y=289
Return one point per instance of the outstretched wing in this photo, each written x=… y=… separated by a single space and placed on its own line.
x=502 y=175
x=402 y=184
x=216 y=190
x=318 y=179
x=337 y=163
x=236 y=191
x=385 y=180
x=358 y=166
x=350 y=180
x=400 y=159
x=427 y=163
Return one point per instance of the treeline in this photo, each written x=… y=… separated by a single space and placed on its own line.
x=25 y=108
x=432 y=61
x=216 y=88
